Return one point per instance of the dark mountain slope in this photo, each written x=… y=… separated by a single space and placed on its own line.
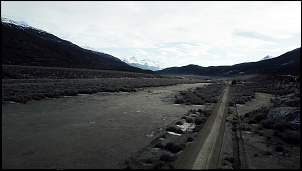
x=32 y=47
x=288 y=63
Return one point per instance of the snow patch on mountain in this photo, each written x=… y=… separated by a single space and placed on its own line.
x=266 y=57
x=144 y=63
x=21 y=24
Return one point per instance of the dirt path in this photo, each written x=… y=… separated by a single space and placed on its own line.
x=86 y=131
x=204 y=151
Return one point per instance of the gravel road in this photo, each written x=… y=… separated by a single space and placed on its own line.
x=203 y=153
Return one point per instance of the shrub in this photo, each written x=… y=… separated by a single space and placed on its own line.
x=179 y=100
x=190 y=139
x=267 y=153
x=268 y=138
x=231 y=103
x=252 y=121
x=169 y=146
x=199 y=121
x=259 y=117
x=38 y=96
x=291 y=136
x=71 y=92
x=159 y=165
x=86 y=91
x=159 y=145
x=189 y=120
x=171 y=129
x=149 y=160
x=279 y=148
x=231 y=159
x=267 y=123
x=196 y=129
x=179 y=123
x=166 y=158
x=176 y=148
x=281 y=126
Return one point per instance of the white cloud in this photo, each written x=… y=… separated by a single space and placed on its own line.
x=201 y=26
x=233 y=54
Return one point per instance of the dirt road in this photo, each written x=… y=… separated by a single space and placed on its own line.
x=86 y=131
x=203 y=153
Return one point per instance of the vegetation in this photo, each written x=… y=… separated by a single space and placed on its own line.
x=35 y=83
x=200 y=95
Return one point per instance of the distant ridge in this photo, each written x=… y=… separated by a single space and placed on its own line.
x=26 y=45
x=288 y=63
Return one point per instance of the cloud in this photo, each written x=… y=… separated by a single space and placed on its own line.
x=233 y=54
x=176 y=29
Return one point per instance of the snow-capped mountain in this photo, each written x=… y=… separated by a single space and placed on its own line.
x=267 y=57
x=144 y=63
x=22 y=25
x=6 y=20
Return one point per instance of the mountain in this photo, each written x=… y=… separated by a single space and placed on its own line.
x=266 y=57
x=288 y=63
x=144 y=63
x=26 y=45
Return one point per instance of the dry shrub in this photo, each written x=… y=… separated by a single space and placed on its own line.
x=190 y=139
x=159 y=145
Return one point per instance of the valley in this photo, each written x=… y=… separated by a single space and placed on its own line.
x=133 y=129
x=67 y=107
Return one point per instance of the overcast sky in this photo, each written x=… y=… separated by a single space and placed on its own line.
x=176 y=33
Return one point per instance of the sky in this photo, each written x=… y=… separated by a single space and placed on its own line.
x=175 y=33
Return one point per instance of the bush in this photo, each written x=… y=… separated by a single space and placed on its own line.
x=166 y=158
x=291 y=136
x=179 y=123
x=252 y=121
x=281 y=126
x=176 y=148
x=189 y=120
x=268 y=123
x=159 y=145
x=279 y=149
x=71 y=92
x=86 y=91
x=190 y=139
x=159 y=165
x=169 y=146
x=199 y=121
x=231 y=159
x=174 y=129
x=179 y=100
x=267 y=153
x=196 y=129
x=38 y=96
x=259 y=117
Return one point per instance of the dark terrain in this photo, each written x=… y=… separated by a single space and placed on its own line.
x=286 y=64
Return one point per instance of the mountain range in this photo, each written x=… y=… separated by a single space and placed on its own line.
x=287 y=63
x=28 y=46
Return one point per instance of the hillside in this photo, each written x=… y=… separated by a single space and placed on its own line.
x=288 y=63
x=28 y=46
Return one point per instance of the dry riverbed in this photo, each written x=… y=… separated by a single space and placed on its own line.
x=87 y=131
